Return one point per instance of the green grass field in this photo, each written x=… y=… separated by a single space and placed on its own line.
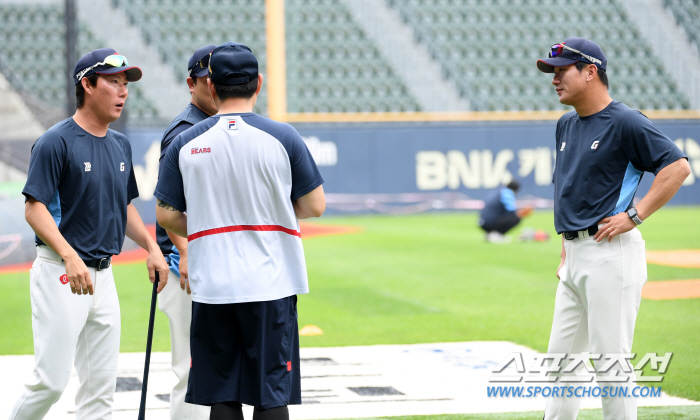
x=432 y=278
x=643 y=413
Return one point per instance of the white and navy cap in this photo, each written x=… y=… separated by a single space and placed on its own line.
x=571 y=51
x=96 y=62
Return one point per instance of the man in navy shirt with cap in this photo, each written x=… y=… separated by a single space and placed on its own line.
x=78 y=202
x=176 y=303
x=603 y=148
x=243 y=181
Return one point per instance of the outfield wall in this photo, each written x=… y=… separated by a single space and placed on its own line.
x=403 y=167
x=395 y=168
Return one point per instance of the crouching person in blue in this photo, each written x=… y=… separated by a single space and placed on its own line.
x=500 y=213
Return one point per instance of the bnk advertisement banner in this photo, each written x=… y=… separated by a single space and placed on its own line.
x=372 y=160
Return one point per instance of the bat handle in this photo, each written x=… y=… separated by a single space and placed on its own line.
x=149 y=342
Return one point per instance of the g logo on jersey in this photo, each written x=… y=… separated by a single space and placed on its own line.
x=595 y=144
x=64 y=279
x=121 y=166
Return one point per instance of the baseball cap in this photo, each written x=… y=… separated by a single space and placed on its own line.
x=571 y=51
x=232 y=64
x=104 y=61
x=197 y=66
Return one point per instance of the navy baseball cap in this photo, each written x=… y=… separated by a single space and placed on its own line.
x=571 y=51
x=104 y=61
x=232 y=64
x=199 y=62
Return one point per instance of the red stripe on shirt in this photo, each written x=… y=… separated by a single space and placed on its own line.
x=238 y=228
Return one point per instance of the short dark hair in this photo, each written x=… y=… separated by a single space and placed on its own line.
x=80 y=90
x=601 y=73
x=513 y=185
x=246 y=90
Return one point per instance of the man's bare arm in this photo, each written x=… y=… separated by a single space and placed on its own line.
x=137 y=232
x=664 y=187
x=666 y=184
x=312 y=204
x=171 y=218
x=181 y=245
x=43 y=224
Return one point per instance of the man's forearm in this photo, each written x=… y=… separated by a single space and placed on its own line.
x=664 y=187
x=179 y=242
x=136 y=230
x=43 y=224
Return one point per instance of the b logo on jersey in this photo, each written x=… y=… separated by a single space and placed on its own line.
x=64 y=279
x=88 y=166
x=232 y=125
x=595 y=144
x=563 y=145
x=121 y=166
x=198 y=150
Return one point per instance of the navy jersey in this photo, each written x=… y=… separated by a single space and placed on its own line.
x=497 y=204
x=86 y=182
x=190 y=116
x=600 y=161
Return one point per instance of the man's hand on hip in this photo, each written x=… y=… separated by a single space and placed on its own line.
x=615 y=225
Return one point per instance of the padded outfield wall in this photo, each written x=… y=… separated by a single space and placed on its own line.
x=403 y=167
x=396 y=168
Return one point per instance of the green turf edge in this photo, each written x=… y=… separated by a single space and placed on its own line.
x=643 y=413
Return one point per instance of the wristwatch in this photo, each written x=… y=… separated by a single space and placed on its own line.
x=632 y=213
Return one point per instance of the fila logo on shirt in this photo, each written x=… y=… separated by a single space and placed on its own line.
x=121 y=166
x=88 y=166
x=563 y=145
x=232 y=125
x=595 y=144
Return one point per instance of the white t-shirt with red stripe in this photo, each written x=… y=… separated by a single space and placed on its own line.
x=236 y=176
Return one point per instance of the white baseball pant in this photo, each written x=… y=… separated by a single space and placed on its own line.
x=595 y=311
x=68 y=328
x=177 y=306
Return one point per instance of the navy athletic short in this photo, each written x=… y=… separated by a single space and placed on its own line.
x=245 y=352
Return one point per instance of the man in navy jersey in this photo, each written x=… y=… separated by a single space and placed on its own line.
x=78 y=201
x=243 y=181
x=500 y=213
x=176 y=303
x=603 y=148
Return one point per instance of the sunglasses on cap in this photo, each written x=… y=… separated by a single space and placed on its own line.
x=203 y=64
x=558 y=49
x=113 y=60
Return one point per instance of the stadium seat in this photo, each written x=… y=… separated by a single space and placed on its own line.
x=513 y=34
x=328 y=50
x=488 y=48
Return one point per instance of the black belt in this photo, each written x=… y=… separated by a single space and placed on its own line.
x=99 y=264
x=573 y=234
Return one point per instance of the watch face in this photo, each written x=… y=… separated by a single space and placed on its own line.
x=632 y=213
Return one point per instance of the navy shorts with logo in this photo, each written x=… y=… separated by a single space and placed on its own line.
x=245 y=352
